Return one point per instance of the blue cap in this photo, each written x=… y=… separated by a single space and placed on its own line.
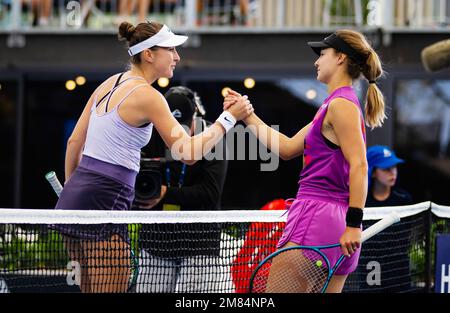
x=381 y=157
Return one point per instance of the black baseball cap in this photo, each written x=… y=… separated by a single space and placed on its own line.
x=336 y=42
x=181 y=103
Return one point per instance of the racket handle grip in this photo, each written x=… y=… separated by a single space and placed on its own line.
x=54 y=182
x=379 y=226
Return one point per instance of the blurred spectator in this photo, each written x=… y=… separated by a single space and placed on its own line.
x=127 y=8
x=383 y=178
x=41 y=10
x=209 y=15
x=244 y=9
x=394 y=263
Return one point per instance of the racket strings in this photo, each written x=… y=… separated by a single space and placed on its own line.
x=292 y=271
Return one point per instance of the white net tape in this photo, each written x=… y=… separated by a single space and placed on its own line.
x=32 y=216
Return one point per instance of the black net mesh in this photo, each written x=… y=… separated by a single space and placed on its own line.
x=194 y=257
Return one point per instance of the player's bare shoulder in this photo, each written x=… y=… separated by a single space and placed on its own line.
x=142 y=96
x=148 y=94
x=341 y=109
x=149 y=102
x=342 y=104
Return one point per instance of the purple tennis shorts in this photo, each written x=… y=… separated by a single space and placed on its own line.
x=316 y=222
x=97 y=185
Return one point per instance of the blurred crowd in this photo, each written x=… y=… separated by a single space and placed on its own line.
x=41 y=13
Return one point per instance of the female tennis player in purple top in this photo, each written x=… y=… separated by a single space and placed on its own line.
x=333 y=183
x=103 y=152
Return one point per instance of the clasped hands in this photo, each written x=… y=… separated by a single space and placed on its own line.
x=239 y=106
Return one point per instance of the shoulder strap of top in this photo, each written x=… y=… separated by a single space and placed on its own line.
x=100 y=88
x=116 y=85
x=110 y=92
x=347 y=93
x=353 y=99
x=129 y=93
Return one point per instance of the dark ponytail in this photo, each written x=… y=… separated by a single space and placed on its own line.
x=126 y=31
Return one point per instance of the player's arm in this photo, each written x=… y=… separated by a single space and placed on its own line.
x=286 y=147
x=77 y=139
x=184 y=147
x=345 y=119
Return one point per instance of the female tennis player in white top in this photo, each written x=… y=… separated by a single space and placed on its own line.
x=103 y=152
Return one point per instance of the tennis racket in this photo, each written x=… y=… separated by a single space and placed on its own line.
x=304 y=269
x=134 y=263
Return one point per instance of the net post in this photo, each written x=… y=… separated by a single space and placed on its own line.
x=428 y=251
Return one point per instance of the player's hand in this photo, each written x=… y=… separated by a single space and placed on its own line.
x=231 y=98
x=241 y=108
x=350 y=241
x=149 y=204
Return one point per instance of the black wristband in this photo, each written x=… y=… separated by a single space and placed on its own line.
x=354 y=217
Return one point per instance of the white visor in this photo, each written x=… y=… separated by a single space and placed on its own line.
x=164 y=38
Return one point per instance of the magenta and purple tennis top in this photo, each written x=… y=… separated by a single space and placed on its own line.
x=325 y=173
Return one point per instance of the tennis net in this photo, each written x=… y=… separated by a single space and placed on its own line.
x=188 y=252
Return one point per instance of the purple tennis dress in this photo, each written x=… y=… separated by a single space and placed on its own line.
x=105 y=177
x=317 y=216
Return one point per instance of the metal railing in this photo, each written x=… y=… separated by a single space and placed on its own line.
x=240 y=15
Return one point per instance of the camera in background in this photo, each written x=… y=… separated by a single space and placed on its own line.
x=149 y=179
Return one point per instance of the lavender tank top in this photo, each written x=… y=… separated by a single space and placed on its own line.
x=112 y=140
x=325 y=174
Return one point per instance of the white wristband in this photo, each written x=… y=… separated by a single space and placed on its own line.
x=227 y=120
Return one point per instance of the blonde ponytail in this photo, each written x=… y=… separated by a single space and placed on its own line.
x=372 y=70
x=375 y=107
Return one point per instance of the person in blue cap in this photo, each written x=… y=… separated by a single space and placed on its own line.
x=383 y=178
x=395 y=275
